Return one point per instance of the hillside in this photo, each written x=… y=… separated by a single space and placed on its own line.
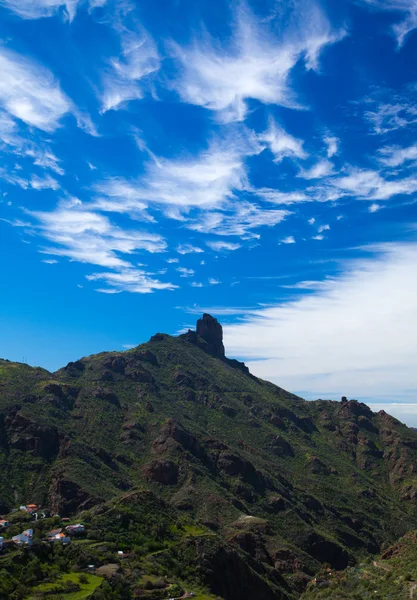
x=391 y=575
x=272 y=486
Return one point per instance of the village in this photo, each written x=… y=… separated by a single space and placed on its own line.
x=61 y=534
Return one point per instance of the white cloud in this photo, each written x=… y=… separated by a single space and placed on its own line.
x=206 y=181
x=284 y=198
x=390 y=113
x=127 y=77
x=394 y=156
x=374 y=208
x=36 y=9
x=50 y=261
x=30 y=93
x=196 y=284
x=188 y=249
x=288 y=240
x=87 y=237
x=213 y=281
x=241 y=221
x=321 y=169
x=332 y=144
x=255 y=65
x=318 y=237
x=45 y=159
x=130 y=280
x=323 y=228
x=172 y=260
x=222 y=246
x=185 y=272
x=358 y=332
x=281 y=143
x=407 y=7
x=44 y=183
x=311 y=221
x=370 y=185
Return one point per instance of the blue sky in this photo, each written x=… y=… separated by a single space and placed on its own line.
x=256 y=161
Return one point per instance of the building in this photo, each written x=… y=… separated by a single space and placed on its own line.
x=4 y=523
x=24 y=538
x=73 y=529
x=60 y=537
x=29 y=508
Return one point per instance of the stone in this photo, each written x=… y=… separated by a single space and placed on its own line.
x=210 y=330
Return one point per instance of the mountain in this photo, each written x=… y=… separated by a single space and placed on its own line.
x=179 y=438
x=391 y=575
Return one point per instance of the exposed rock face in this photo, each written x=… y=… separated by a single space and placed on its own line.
x=29 y=436
x=66 y=496
x=211 y=331
x=162 y=471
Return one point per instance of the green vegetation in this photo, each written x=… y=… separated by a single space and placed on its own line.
x=391 y=576
x=205 y=477
x=86 y=583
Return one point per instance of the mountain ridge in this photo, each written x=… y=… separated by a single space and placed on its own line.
x=289 y=484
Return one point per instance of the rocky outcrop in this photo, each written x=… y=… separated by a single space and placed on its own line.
x=66 y=497
x=162 y=471
x=231 y=576
x=210 y=330
x=28 y=436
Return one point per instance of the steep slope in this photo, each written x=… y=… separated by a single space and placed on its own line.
x=289 y=484
x=391 y=575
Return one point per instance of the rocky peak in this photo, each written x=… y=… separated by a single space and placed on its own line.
x=210 y=330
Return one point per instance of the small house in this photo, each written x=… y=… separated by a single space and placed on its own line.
x=29 y=508
x=53 y=533
x=24 y=538
x=74 y=529
x=60 y=537
x=4 y=523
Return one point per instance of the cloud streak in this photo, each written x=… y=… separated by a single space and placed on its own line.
x=353 y=335
x=255 y=65
x=29 y=92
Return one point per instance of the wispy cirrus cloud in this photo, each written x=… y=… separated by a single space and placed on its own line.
x=88 y=237
x=188 y=249
x=405 y=8
x=241 y=220
x=184 y=272
x=288 y=240
x=387 y=111
x=127 y=76
x=29 y=92
x=371 y=185
x=281 y=143
x=206 y=181
x=37 y=9
x=350 y=327
x=286 y=198
x=131 y=280
x=321 y=169
x=395 y=156
x=255 y=65
x=221 y=246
